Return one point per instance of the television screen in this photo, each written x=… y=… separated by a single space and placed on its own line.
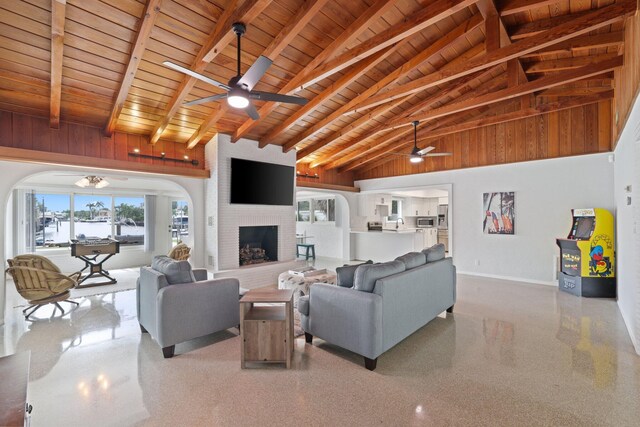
x=258 y=183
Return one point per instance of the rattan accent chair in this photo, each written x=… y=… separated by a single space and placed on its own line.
x=40 y=282
x=180 y=252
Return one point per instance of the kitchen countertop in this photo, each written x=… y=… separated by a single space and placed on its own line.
x=389 y=231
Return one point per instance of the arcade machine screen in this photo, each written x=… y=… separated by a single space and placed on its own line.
x=583 y=228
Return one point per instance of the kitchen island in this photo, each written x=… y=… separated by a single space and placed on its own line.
x=386 y=245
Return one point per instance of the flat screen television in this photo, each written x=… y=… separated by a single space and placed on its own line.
x=258 y=183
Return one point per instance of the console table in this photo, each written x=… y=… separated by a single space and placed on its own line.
x=266 y=331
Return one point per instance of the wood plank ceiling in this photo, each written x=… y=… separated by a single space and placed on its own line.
x=368 y=68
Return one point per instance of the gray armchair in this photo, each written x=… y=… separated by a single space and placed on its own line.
x=177 y=304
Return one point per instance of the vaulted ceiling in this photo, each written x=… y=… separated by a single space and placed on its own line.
x=368 y=68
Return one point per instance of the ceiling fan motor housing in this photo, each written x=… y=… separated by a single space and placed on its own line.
x=239 y=28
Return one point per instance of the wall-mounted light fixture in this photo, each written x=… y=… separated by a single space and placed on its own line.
x=306 y=175
x=185 y=159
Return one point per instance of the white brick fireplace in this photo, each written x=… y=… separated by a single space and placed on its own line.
x=225 y=219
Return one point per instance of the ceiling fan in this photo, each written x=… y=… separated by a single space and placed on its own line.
x=417 y=155
x=239 y=90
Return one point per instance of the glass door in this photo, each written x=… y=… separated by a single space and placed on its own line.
x=180 y=222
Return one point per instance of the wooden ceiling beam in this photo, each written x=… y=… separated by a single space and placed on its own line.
x=516 y=91
x=404 y=132
x=439 y=96
x=372 y=14
x=365 y=119
x=147 y=21
x=564 y=63
x=514 y=67
x=492 y=120
x=58 y=9
x=493 y=97
x=431 y=51
x=425 y=17
x=219 y=38
x=587 y=42
x=511 y=7
x=299 y=20
x=354 y=73
x=585 y=23
x=574 y=91
x=533 y=28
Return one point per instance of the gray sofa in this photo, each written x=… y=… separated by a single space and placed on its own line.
x=386 y=304
x=177 y=304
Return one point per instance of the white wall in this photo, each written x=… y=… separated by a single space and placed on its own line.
x=546 y=191
x=15 y=172
x=330 y=239
x=627 y=173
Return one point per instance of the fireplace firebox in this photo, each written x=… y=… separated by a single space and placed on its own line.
x=258 y=244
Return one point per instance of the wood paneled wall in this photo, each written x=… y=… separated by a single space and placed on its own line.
x=581 y=130
x=627 y=78
x=86 y=143
x=331 y=177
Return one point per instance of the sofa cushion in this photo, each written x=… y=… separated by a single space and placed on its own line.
x=413 y=259
x=367 y=275
x=175 y=271
x=345 y=274
x=435 y=252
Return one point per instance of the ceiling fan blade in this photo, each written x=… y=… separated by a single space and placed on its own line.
x=207 y=99
x=116 y=178
x=276 y=97
x=437 y=155
x=426 y=150
x=255 y=73
x=252 y=112
x=196 y=75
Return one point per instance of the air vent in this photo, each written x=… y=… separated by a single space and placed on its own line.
x=211 y=260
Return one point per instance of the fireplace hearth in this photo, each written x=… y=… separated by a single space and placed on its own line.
x=258 y=245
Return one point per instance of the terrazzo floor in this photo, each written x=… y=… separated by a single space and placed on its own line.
x=512 y=354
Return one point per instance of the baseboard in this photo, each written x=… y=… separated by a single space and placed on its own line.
x=509 y=278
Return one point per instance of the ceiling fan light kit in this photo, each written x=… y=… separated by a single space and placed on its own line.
x=239 y=90
x=92 y=181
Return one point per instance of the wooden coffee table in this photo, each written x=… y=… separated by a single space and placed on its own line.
x=266 y=331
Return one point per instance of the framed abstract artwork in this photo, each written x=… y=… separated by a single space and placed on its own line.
x=499 y=213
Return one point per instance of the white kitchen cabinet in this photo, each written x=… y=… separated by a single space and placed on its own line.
x=414 y=207
x=374 y=205
x=430 y=237
x=430 y=207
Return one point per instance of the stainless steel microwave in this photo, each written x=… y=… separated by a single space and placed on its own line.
x=426 y=221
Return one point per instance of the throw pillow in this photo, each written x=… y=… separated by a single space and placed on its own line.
x=435 y=252
x=413 y=259
x=175 y=271
x=367 y=275
x=345 y=274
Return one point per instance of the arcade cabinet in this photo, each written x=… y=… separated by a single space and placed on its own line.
x=587 y=255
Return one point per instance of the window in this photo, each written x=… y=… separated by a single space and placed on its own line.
x=316 y=210
x=52 y=220
x=303 y=211
x=129 y=220
x=396 y=210
x=49 y=220
x=324 y=210
x=92 y=216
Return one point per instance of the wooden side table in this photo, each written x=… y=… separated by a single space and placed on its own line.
x=266 y=332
